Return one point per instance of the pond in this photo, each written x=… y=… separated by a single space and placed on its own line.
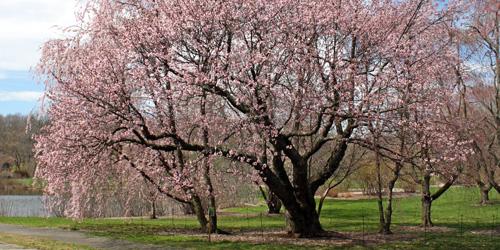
x=22 y=206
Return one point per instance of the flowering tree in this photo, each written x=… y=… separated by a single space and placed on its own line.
x=481 y=44
x=423 y=140
x=272 y=83
x=482 y=166
x=442 y=154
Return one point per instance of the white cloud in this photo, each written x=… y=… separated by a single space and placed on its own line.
x=26 y=24
x=478 y=67
x=20 y=96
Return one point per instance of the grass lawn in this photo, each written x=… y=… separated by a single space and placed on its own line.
x=461 y=224
x=38 y=242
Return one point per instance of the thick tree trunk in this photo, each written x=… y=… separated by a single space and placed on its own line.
x=298 y=200
x=304 y=224
x=297 y=192
x=212 y=214
x=200 y=212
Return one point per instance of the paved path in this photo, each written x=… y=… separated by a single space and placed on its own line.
x=74 y=237
x=4 y=246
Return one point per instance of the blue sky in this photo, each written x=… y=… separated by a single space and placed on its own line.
x=24 y=26
x=19 y=92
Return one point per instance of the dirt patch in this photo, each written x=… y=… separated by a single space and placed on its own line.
x=434 y=229
x=359 y=196
x=329 y=239
x=488 y=232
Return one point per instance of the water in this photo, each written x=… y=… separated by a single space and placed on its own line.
x=22 y=206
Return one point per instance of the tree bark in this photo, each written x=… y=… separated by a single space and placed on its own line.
x=272 y=200
x=385 y=215
x=385 y=228
x=426 y=200
x=303 y=225
x=380 y=200
x=212 y=206
x=153 y=210
x=297 y=198
x=426 y=212
x=187 y=208
x=273 y=204
x=200 y=212
x=485 y=191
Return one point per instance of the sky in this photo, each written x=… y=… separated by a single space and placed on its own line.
x=24 y=26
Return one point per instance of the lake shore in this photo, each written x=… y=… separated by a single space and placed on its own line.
x=18 y=186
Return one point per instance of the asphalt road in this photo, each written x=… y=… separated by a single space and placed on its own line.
x=74 y=237
x=4 y=246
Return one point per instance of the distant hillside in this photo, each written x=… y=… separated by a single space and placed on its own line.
x=18 y=187
x=16 y=145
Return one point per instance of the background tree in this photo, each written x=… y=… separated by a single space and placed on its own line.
x=477 y=41
x=16 y=132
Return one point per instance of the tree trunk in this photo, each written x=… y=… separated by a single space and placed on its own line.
x=485 y=197
x=153 y=210
x=381 y=216
x=200 y=212
x=386 y=227
x=484 y=188
x=426 y=212
x=296 y=192
x=426 y=200
x=384 y=221
x=187 y=208
x=212 y=206
x=385 y=215
x=273 y=203
x=212 y=214
x=304 y=224
x=321 y=201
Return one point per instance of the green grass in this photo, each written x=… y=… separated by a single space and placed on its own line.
x=25 y=181
x=457 y=210
x=18 y=187
x=39 y=242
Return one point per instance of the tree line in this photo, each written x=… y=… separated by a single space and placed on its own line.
x=16 y=145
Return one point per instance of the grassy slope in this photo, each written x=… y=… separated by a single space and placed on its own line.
x=456 y=209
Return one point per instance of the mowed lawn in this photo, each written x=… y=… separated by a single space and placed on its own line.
x=460 y=224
